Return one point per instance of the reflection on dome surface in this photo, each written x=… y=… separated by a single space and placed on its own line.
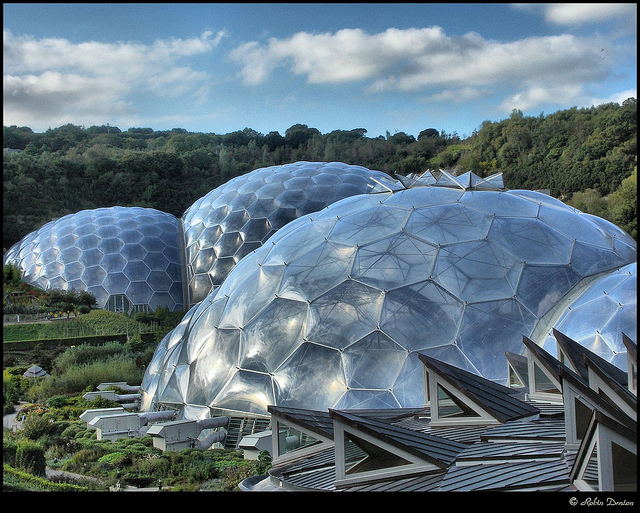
x=129 y=258
x=332 y=311
x=599 y=316
x=234 y=219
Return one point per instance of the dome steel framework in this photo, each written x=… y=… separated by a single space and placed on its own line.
x=333 y=310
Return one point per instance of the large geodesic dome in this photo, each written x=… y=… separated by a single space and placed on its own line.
x=600 y=314
x=332 y=312
x=129 y=258
x=239 y=216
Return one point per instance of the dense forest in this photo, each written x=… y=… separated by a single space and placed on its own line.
x=584 y=156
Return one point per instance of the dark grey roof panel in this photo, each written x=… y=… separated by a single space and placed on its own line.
x=316 y=421
x=422 y=483
x=577 y=354
x=549 y=410
x=437 y=450
x=496 y=398
x=491 y=452
x=631 y=346
x=541 y=430
x=509 y=476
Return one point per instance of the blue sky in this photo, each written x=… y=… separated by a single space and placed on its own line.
x=218 y=68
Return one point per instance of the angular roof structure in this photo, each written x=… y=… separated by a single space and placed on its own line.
x=402 y=450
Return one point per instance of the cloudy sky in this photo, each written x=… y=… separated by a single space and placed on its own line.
x=218 y=68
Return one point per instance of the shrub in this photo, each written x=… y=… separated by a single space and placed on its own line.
x=58 y=401
x=30 y=457
x=19 y=481
x=37 y=426
x=9 y=448
x=116 y=459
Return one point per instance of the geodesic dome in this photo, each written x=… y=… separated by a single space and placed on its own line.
x=239 y=216
x=333 y=310
x=129 y=258
x=600 y=314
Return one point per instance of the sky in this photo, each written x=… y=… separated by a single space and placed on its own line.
x=384 y=67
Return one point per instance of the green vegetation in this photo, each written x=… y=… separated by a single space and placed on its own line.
x=70 y=168
x=96 y=322
x=51 y=434
x=14 y=480
x=53 y=437
x=21 y=298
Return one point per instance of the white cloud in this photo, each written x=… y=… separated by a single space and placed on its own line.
x=416 y=60
x=456 y=95
x=575 y=14
x=559 y=96
x=53 y=79
x=616 y=98
x=541 y=95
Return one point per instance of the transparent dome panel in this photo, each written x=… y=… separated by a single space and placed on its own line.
x=421 y=315
x=477 y=271
x=345 y=314
x=310 y=378
x=449 y=223
x=246 y=391
x=394 y=261
x=373 y=362
x=282 y=320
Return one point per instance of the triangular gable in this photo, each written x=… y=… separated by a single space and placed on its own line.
x=573 y=354
x=458 y=397
x=545 y=383
x=632 y=364
x=601 y=381
x=493 y=182
x=579 y=402
x=446 y=179
x=391 y=451
x=299 y=432
x=517 y=371
x=607 y=457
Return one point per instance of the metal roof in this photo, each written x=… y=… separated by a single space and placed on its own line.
x=577 y=354
x=439 y=451
x=533 y=431
x=520 y=454
x=538 y=475
x=462 y=434
x=499 y=400
x=423 y=483
x=317 y=421
x=491 y=452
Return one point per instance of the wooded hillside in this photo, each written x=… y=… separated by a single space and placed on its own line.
x=586 y=157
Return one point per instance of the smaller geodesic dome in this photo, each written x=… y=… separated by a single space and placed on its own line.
x=600 y=314
x=129 y=258
x=239 y=216
x=333 y=311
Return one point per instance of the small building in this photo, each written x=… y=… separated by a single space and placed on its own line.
x=35 y=372
x=184 y=434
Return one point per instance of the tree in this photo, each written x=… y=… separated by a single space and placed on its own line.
x=298 y=135
x=429 y=133
x=623 y=205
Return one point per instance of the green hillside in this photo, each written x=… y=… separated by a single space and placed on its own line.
x=586 y=156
